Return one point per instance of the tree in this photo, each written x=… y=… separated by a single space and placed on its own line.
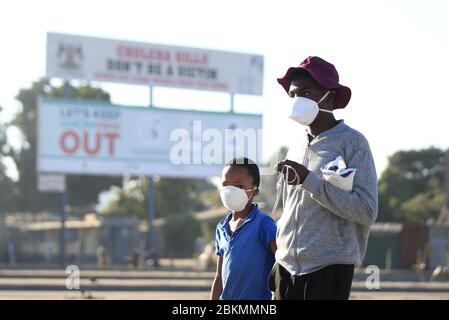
x=8 y=199
x=411 y=189
x=172 y=196
x=83 y=190
x=129 y=199
x=180 y=232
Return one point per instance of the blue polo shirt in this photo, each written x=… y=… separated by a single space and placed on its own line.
x=247 y=258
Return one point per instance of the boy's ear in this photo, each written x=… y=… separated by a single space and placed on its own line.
x=256 y=192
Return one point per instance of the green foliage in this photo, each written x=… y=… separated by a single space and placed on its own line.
x=180 y=232
x=211 y=198
x=208 y=228
x=411 y=189
x=423 y=206
x=130 y=199
x=7 y=190
x=178 y=195
x=171 y=197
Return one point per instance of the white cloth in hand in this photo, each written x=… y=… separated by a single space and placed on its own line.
x=338 y=174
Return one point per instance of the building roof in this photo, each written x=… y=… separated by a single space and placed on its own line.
x=387 y=227
x=89 y=221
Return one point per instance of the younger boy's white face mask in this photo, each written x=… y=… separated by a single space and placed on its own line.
x=234 y=198
x=306 y=110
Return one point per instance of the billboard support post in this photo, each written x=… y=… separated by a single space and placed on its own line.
x=150 y=202
x=63 y=230
x=150 y=217
x=64 y=196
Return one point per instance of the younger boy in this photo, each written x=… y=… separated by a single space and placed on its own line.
x=245 y=240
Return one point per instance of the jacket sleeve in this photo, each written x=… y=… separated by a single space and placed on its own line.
x=361 y=204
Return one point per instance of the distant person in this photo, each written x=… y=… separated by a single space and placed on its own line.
x=245 y=239
x=207 y=258
x=330 y=185
x=200 y=243
x=101 y=257
x=11 y=253
x=49 y=251
x=135 y=257
x=153 y=254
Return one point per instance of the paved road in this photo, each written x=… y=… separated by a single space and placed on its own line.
x=170 y=295
x=172 y=285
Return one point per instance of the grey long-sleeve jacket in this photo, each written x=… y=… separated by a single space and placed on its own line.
x=322 y=224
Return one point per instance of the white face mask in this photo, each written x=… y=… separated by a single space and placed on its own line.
x=306 y=110
x=234 y=198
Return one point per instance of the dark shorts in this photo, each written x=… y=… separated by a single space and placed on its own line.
x=329 y=283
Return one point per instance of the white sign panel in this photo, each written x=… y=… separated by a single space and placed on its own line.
x=95 y=59
x=99 y=138
x=51 y=182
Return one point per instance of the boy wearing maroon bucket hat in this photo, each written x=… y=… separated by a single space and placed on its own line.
x=329 y=184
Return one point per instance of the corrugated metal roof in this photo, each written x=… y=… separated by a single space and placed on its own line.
x=387 y=227
x=89 y=222
x=55 y=225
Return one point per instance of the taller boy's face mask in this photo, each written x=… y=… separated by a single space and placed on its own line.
x=234 y=198
x=306 y=110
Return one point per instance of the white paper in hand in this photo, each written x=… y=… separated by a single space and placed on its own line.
x=338 y=174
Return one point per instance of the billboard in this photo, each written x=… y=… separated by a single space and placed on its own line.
x=103 y=139
x=96 y=59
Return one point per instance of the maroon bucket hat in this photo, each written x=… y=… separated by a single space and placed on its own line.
x=325 y=74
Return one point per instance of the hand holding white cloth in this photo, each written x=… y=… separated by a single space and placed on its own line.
x=338 y=174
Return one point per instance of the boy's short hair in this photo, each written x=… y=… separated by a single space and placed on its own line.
x=250 y=165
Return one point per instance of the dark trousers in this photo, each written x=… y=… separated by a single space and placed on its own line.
x=329 y=283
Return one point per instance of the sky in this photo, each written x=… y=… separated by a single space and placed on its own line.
x=392 y=54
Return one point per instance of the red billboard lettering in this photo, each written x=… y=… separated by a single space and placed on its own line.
x=64 y=142
x=88 y=150
x=111 y=137
x=71 y=142
x=192 y=57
